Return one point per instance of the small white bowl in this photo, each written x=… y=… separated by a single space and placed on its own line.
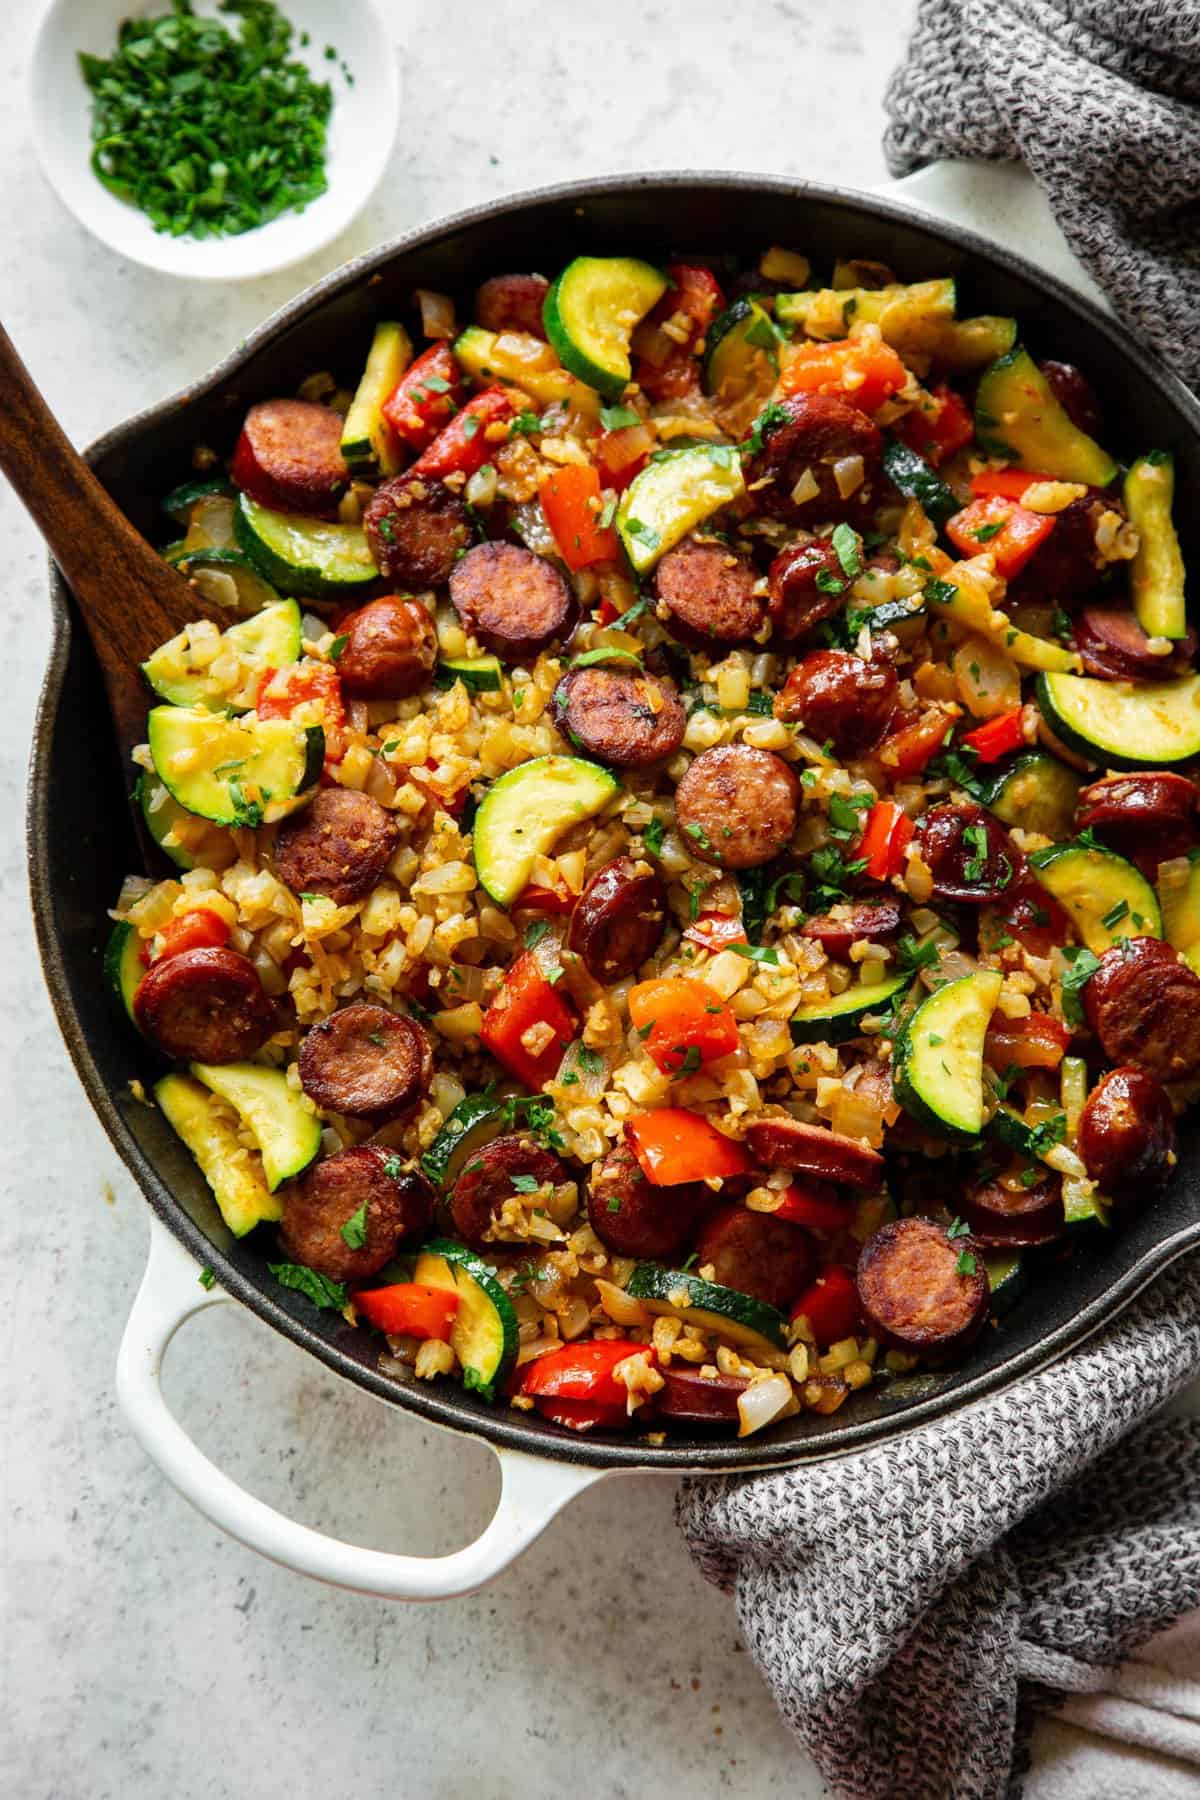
x=362 y=129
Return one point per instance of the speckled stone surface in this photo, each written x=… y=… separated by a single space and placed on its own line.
x=142 y=1654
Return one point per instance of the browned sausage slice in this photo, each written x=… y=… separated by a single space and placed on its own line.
x=338 y=846
x=840 y=699
x=623 y=718
x=390 y=650
x=812 y=434
x=806 y=586
x=1074 y=393
x=512 y=303
x=921 y=1290
x=514 y=602
x=1006 y=1211
x=709 y=595
x=366 y=1062
x=968 y=854
x=1147 y=801
x=736 y=806
x=1127 y=1136
x=486 y=1182
x=316 y=1209
x=1114 y=647
x=633 y=1217
x=1143 y=1003
x=756 y=1254
x=204 y=1005
x=699 y=1399
x=838 y=930
x=1067 y=566
x=289 y=457
x=618 y=919
x=814 y=1150
x=416 y=527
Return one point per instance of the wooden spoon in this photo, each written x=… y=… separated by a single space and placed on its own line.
x=131 y=600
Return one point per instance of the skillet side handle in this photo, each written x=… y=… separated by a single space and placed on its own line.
x=532 y=1490
x=1000 y=200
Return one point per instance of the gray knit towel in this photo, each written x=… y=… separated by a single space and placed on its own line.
x=1099 y=99
x=910 y=1605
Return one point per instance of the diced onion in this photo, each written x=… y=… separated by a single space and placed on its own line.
x=848 y=473
x=807 y=488
x=437 y=314
x=763 y=1402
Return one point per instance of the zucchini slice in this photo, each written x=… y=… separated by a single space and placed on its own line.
x=906 y=316
x=1179 y=900
x=287 y=1133
x=484 y=1333
x=960 y=346
x=937 y=1063
x=972 y=608
x=833 y=1021
x=311 y=558
x=1157 y=575
x=1036 y=792
x=674 y=493
x=1105 y=897
x=1083 y=1211
x=473 y=1123
x=246 y=771
x=241 y=1193
x=523 y=815
x=733 y=1315
x=123 y=965
x=909 y=472
x=180 y=501
x=1008 y=1279
x=162 y=814
x=1017 y=416
x=741 y=356
x=1123 y=724
x=270 y=640
x=225 y=577
x=369 y=449
x=590 y=313
x=478 y=674
x=527 y=363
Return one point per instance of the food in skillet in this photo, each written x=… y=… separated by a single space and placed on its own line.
x=685 y=897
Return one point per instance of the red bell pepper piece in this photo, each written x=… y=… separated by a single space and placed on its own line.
x=582 y=1415
x=426 y=397
x=1011 y=533
x=409 y=1309
x=697 y=294
x=543 y=900
x=831 y=1306
x=674 y=1145
x=1010 y=484
x=886 y=835
x=571 y=502
x=622 y=453
x=905 y=752
x=525 y=1001
x=584 y=1371
x=802 y=1206
x=311 y=687
x=464 y=445
x=862 y=371
x=716 y=931
x=1036 y=1042
x=200 y=929
x=938 y=427
x=685 y=1023
x=996 y=737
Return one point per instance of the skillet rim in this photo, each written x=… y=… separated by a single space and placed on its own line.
x=507 y=1428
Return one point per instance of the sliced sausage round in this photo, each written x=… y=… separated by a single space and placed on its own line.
x=918 y=1292
x=806 y=585
x=619 y=716
x=205 y=1005
x=699 y=1399
x=811 y=434
x=764 y=1257
x=836 y=931
x=486 y=1182
x=967 y=853
x=289 y=457
x=633 y=1217
x=1006 y=1210
x=366 y=1062
x=390 y=649
x=840 y=699
x=1074 y=393
x=316 y=1209
x=709 y=594
x=1127 y=1136
x=736 y=807
x=814 y=1150
x=1114 y=647
x=514 y=602
x=1152 y=800
x=512 y=303
x=1143 y=1003
x=618 y=920
x=1066 y=567
x=416 y=528
x=338 y=846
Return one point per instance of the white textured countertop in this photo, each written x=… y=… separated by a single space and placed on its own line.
x=142 y=1654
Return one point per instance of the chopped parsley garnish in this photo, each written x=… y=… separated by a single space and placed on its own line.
x=844 y=821
x=354 y=1231
x=958 y=1228
x=911 y=955
x=614 y=1205
x=941 y=593
x=525 y=1184
x=393 y=1168
x=768 y=419
x=829 y=583
x=1061 y=626
x=591 y=1060
x=759 y=953
x=206 y=1277
x=616 y=418
x=846 y=548
x=653 y=836
x=699 y=834
x=833 y=872
x=966 y=1262
x=329 y=1295
x=524 y=425
x=1116 y=913
x=635 y=528
x=470 y=425
x=608 y=514
x=535 y=931
x=587 y=659
x=957 y=765
x=337 y=646
x=1051 y=1131
x=1083 y=966
x=986 y=533
x=691 y=1058
x=976 y=839
x=761 y=703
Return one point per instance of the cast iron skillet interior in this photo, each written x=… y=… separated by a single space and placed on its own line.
x=81 y=841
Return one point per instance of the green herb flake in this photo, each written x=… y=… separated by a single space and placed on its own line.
x=613 y=1206
x=986 y=533
x=653 y=836
x=354 y=1231
x=759 y=953
x=966 y=1262
x=535 y=931
x=847 y=550
x=1083 y=966
x=525 y=1184
x=844 y=821
x=636 y=529
x=829 y=583
x=616 y=418
x=330 y=1296
x=206 y=1278
x=524 y=425
x=590 y=1061
x=691 y=1058
x=337 y=646
x=958 y=1228
x=588 y=659
x=1116 y=913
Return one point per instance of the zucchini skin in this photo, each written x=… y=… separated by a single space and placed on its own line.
x=1106 y=754
x=915 y=478
x=838 y=1027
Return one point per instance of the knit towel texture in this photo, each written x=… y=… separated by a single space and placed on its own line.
x=1099 y=99
x=911 y=1604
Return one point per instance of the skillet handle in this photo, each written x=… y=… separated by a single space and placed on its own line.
x=1002 y=201
x=532 y=1490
